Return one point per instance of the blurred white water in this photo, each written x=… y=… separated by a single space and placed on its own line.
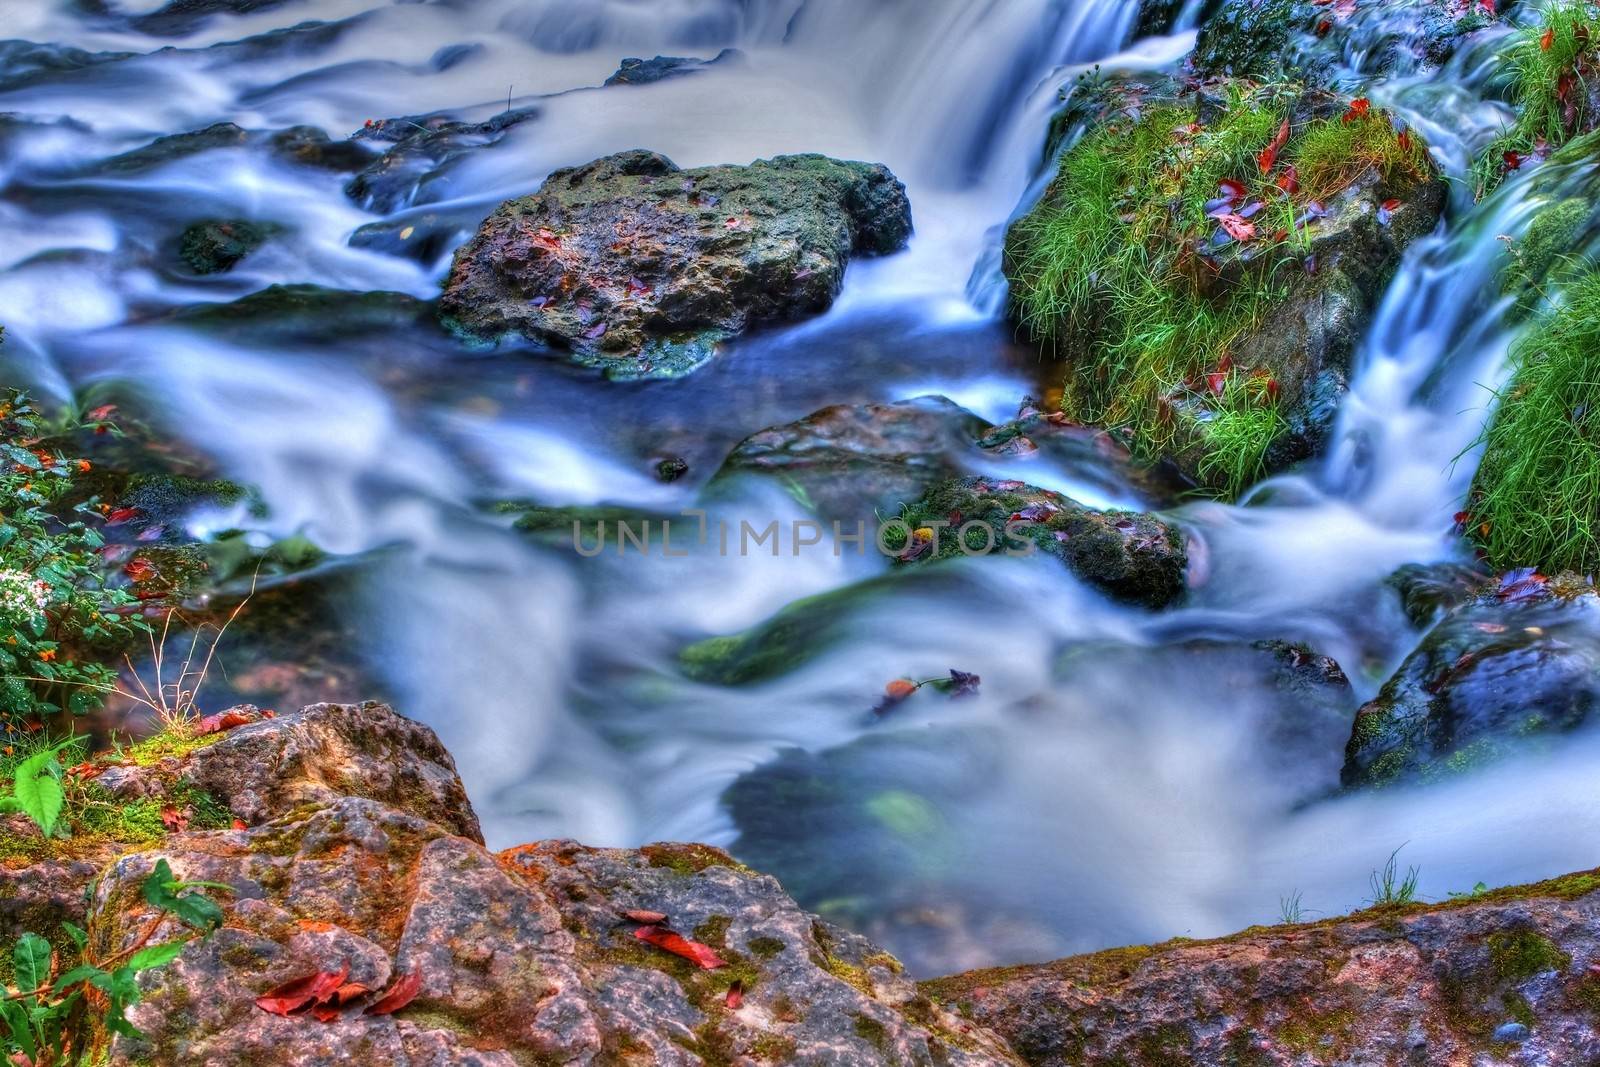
x=1104 y=805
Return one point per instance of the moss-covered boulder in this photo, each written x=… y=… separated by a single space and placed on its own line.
x=635 y=265
x=1508 y=671
x=1206 y=259
x=1131 y=555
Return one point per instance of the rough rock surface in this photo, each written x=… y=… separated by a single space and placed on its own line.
x=313 y=756
x=633 y=264
x=1510 y=978
x=1131 y=555
x=635 y=71
x=362 y=850
x=422 y=151
x=1501 y=673
x=217 y=245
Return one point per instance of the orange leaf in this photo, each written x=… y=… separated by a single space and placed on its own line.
x=900 y=688
x=402 y=991
x=649 y=918
x=1547 y=40
x=1238 y=228
x=679 y=945
x=1269 y=154
x=298 y=993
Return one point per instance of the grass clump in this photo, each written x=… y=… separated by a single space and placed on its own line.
x=1126 y=267
x=1552 y=69
x=1535 y=500
x=1517 y=955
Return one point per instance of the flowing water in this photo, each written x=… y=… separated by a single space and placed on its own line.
x=1101 y=788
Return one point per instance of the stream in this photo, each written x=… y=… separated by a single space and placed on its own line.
x=1099 y=790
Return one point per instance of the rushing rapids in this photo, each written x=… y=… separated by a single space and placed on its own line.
x=1121 y=775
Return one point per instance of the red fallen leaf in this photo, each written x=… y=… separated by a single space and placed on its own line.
x=297 y=993
x=1462 y=518
x=86 y=770
x=1323 y=27
x=1513 y=160
x=139 y=569
x=1386 y=210
x=649 y=918
x=401 y=991
x=222 y=720
x=1040 y=511
x=338 y=1001
x=1404 y=138
x=1217 y=383
x=1280 y=235
x=1289 y=180
x=1225 y=362
x=118 y=516
x=735 y=996
x=1487 y=7
x=1360 y=107
x=174 y=820
x=101 y=413
x=1269 y=154
x=1547 y=40
x=1523 y=584
x=1272 y=388
x=1232 y=189
x=239 y=824
x=678 y=945
x=1239 y=229
x=732 y=224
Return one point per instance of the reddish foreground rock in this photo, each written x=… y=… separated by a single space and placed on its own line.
x=1512 y=977
x=362 y=851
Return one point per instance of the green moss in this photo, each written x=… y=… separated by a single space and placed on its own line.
x=765 y=947
x=1535 y=500
x=1119 y=269
x=1549 y=80
x=689 y=858
x=167 y=745
x=714 y=931
x=1545 y=252
x=1517 y=955
x=1325 y=1031
x=873 y=1032
x=772 y=1048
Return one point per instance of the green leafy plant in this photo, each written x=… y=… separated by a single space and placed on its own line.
x=59 y=612
x=47 y=1013
x=36 y=787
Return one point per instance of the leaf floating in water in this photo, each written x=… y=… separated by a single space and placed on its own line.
x=678 y=945
x=963 y=684
x=1521 y=585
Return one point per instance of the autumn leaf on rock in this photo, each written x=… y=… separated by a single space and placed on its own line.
x=735 y=997
x=649 y=918
x=679 y=945
x=222 y=720
x=400 y=993
x=298 y=993
x=1386 y=210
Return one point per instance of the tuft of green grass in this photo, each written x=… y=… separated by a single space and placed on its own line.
x=1535 y=500
x=1550 y=67
x=1390 y=887
x=1117 y=270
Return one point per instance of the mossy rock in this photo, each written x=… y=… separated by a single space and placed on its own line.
x=1205 y=305
x=1508 y=672
x=1133 y=556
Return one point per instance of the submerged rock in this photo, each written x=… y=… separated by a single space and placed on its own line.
x=647 y=71
x=632 y=264
x=218 y=245
x=1130 y=555
x=1424 y=984
x=309 y=313
x=424 y=148
x=847 y=461
x=1504 y=672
